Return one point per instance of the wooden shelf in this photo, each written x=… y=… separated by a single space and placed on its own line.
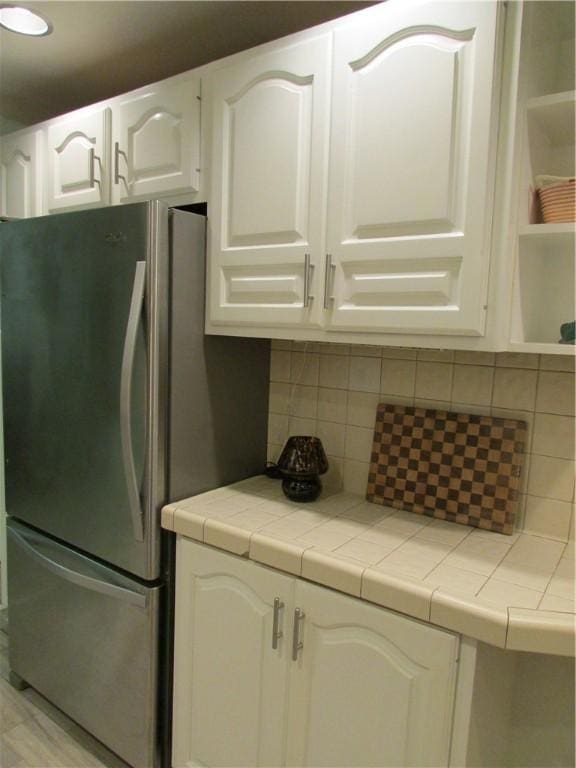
x=555 y=114
x=548 y=230
x=539 y=348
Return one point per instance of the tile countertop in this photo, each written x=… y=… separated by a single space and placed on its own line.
x=513 y=592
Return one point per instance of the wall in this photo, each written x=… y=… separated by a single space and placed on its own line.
x=331 y=390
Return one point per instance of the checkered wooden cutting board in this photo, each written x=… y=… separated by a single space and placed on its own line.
x=453 y=466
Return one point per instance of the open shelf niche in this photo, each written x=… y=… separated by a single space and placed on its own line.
x=544 y=285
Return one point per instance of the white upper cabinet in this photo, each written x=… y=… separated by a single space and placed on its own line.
x=136 y=147
x=409 y=206
x=269 y=133
x=21 y=174
x=155 y=141
x=78 y=161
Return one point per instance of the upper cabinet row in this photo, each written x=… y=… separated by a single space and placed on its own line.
x=368 y=181
x=353 y=191
x=136 y=147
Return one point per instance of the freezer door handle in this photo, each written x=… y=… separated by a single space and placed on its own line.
x=126 y=400
x=87 y=582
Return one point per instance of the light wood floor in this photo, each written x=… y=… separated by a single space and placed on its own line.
x=34 y=734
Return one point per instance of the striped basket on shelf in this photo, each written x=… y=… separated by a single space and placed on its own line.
x=557 y=196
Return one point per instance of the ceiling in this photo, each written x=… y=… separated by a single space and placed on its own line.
x=101 y=49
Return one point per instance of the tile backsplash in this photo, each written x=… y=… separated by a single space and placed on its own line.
x=332 y=390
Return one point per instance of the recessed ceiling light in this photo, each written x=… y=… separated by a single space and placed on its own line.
x=23 y=21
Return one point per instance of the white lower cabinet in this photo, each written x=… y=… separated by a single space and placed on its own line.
x=271 y=670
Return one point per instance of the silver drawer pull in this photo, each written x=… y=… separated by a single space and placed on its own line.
x=308 y=269
x=297 y=644
x=91 y=169
x=276 y=633
x=328 y=281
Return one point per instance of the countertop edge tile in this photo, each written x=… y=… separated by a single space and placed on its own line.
x=402 y=595
x=481 y=622
x=276 y=553
x=541 y=631
x=167 y=517
x=326 y=569
x=221 y=534
x=189 y=524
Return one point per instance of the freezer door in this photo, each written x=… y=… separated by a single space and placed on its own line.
x=86 y=637
x=77 y=293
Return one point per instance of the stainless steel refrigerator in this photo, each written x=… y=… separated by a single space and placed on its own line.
x=115 y=402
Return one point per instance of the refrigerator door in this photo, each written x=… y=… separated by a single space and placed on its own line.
x=86 y=637
x=80 y=305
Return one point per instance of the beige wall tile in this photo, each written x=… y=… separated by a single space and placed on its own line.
x=299 y=426
x=359 y=442
x=557 y=363
x=514 y=388
x=473 y=384
x=303 y=401
x=436 y=355
x=285 y=344
x=333 y=349
x=304 y=368
x=305 y=346
x=334 y=370
x=279 y=398
x=554 y=436
x=365 y=350
x=555 y=393
x=551 y=478
x=398 y=378
x=277 y=428
x=273 y=451
x=333 y=481
x=332 y=404
x=516 y=360
x=475 y=358
x=332 y=436
x=548 y=517
x=361 y=410
x=399 y=353
x=438 y=405
x=433 y=381
x=356 y=476
x=279 y=365
x=365 y=374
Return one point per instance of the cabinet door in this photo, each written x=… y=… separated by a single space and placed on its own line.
x=79 y=161
x=20 y=175
x=156 y=142
x=411 y=168
x=370 y=687
x=230 y=684
x=270 y=122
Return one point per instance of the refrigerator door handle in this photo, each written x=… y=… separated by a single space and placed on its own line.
x=126 y=400
x=87 y=582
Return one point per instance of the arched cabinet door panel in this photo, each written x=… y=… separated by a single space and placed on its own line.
x=156 y=141
x=78 y=161
x=270 y=122
x=411 y=169
x=230 y=682
x=21 y=175
x=365 y=685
